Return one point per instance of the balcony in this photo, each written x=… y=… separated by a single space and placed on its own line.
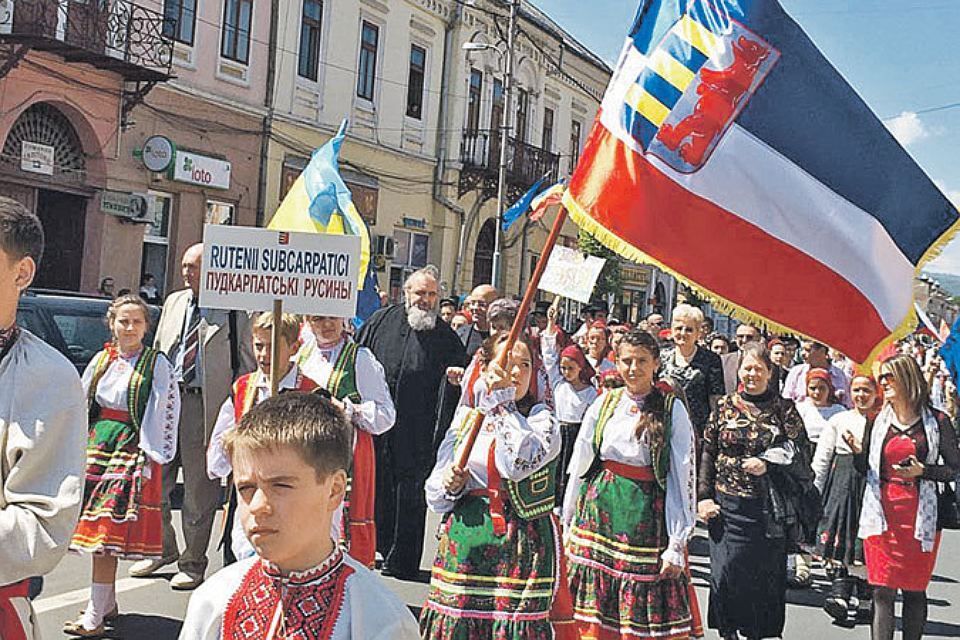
x=480 y=156
x=115 y=35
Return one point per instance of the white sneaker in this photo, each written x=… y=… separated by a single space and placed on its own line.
x=185 y=582
x=149 y=566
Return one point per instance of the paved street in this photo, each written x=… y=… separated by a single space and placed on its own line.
x=151 y=610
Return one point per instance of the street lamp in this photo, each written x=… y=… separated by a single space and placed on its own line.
x=504 y=133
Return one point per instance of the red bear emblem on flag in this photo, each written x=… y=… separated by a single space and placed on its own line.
x=721 y=94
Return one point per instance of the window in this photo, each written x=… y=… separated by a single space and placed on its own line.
x=523 y=108
x=418 y=69
x=411 y=249
x=310 y=22
x=235 y=44
x=574 y=143
x=219 y=212
x=154 y=257
x=367 y=72
x=179 y=20
x=473 y=100
x=547 y=144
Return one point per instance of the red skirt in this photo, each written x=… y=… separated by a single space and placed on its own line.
x=894 y=558
x=130 y=539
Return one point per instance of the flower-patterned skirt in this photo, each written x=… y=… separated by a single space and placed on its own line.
x=489 y=586
x=613 y=552
x=121 y=506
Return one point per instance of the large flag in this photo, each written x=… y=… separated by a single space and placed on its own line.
x=729 y=152
x=320 y=202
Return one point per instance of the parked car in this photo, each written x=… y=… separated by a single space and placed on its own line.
x=71 y=322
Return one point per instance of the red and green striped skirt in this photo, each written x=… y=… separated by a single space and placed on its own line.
x=613 y=554
x=121 y=505
x=489 y=586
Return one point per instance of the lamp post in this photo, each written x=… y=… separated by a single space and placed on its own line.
x=507 y=56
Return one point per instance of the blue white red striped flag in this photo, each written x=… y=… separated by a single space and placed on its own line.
x=728 y=151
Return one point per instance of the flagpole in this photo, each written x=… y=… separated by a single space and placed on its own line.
x=275 y=349
x=519 y=324
x=497 y=275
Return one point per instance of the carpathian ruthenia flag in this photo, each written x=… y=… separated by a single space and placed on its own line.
x=728 y=151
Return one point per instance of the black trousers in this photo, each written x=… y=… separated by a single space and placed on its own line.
x=401 y=506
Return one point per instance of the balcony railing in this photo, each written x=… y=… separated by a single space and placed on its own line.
x=480 y=152
x=109 y=34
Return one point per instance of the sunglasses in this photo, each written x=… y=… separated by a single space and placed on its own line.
x=885 y=377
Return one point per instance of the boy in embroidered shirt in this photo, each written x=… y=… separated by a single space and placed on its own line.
x=290 y=456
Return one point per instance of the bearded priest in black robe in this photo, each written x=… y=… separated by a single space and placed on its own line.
x=415 y=350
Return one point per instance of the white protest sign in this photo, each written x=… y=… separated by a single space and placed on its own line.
x=571 y=274
x=247 y=268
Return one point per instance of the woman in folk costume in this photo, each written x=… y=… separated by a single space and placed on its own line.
x=905 y=452
x=134 y=412
x=357 y=382
x=842 y=488
x=629 y=507
x=571 y=378
x=498 y=572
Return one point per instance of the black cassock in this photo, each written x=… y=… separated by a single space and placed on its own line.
x=415 y=363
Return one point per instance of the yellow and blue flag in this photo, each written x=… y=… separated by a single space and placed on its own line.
x=320 y=202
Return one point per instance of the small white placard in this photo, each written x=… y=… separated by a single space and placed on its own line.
x=247 y=268
x=36 y=158
x=571 y=274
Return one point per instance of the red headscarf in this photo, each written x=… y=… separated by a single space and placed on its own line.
x=820 y=374
x=575 y=353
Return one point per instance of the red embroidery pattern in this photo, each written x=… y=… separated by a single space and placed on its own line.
x=312 y=601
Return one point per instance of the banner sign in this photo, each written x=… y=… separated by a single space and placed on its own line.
x=205 y=171
x=247 y=268
x=571 y=274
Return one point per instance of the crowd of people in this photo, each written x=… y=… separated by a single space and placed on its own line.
x=570 y=468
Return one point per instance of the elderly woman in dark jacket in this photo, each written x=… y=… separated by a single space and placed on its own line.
x=905 y=452
x=752 y=447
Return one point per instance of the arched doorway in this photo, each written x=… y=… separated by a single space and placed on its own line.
x=43 y=130
x=483 y=257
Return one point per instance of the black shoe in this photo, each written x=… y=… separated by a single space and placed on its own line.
x=838 y=600
x=864 y=613
x=399 y=574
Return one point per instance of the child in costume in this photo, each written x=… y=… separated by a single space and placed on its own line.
x=290 y=456
x=629 y=507
x=134 y=414
x=249 y=390
x=43 y=432
x=498 y=566
x=572 y=380
x=358 y=384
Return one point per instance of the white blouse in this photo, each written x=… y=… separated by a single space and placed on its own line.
x=375 y=413
x=571 y=404
x=815 y=418
x=620 y=444
x=831 y=442
x=523 y=446
x=158 y=429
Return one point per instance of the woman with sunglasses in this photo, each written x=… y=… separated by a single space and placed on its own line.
x=905 y=452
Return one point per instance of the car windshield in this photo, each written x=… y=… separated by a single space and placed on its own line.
x=85 y=335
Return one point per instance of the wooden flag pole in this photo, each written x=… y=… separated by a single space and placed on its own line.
x=275 y=349
x=518 y=325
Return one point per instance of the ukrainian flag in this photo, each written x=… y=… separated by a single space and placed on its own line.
x=320 y=202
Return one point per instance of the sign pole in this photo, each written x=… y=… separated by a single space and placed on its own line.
x=518 y=325
x=275 y=348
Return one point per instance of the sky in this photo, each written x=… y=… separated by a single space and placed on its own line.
x=900 y=56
